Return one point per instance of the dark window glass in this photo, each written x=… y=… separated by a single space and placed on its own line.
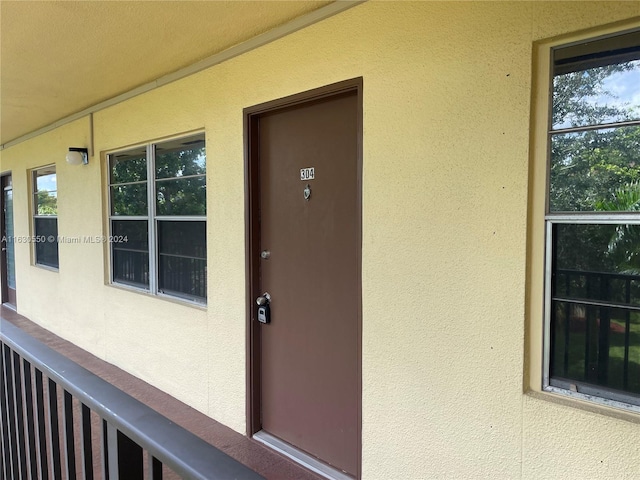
x=129 y=200
x=46 y=236
x=595 y=300
x=128 y=166
x=131 y=252
x=182 y=258
x=182 y=196
x=596 y=345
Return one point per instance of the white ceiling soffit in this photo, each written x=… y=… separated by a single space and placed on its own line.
x=60 y=61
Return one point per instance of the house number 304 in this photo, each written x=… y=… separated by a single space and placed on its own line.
x=307 y=173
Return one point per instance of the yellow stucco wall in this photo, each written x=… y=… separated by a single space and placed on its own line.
x=447 y=107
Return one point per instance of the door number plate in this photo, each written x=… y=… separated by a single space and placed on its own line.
x=307 y=173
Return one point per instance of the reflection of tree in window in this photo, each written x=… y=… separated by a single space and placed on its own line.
x=180 y=180
x=589 y=166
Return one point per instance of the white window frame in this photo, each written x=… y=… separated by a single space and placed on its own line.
x=152 y=219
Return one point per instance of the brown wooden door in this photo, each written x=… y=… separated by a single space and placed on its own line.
x=309 y=354
x=7 y=258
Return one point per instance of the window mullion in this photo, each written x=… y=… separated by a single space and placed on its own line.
x=151 y=189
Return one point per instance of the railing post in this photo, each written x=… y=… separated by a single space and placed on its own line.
x=627 y=336
x=86 y=447
x=54 y=432
x=111 y=451
x=43 y=472
x=19 y=406
x=603 y=337
x=30 y=419
x=67 y=433
x=104 y=450
x=11 y=416
x=155 y=468
x=4 y=419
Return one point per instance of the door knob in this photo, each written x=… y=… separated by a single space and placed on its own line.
x=263 y=299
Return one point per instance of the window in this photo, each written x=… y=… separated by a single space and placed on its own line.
x=45 y=216
x=158 y=218
x=593 y=221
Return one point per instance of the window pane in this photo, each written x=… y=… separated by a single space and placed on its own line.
x=45 y=191
x=129 y=200
x=597 y=262
x=187 y=239
x=596 y=276
x=182 y=261
x=184 y=277
x=131 y=257
x=135 y=233
x=46 y=180
x=184 y=196
x=598 y=95
x=131 y=268
x=181 y=157
x=596 y=345
x=46 y=232
x=46 y=203
x=598 y=170
x=128 y=166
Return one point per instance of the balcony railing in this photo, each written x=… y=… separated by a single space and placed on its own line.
x=60 y=421
x=596 y=331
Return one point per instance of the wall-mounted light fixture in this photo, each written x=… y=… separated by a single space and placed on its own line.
x=78 y=156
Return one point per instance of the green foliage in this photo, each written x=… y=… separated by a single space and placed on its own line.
x=624 y=244
x=571 y=90
x=180 y=183
x=47 y=203
x=590 y=165
x=185 y=192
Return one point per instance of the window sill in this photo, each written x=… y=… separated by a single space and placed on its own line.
x=47 y=267
x=161 y=296
x=587 y=403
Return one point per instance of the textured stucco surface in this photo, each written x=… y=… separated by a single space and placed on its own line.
x=447 y=105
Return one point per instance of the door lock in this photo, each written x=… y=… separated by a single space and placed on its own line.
x=264 y=310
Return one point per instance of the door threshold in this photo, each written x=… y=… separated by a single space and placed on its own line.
x=10 y=306
x=300 y=457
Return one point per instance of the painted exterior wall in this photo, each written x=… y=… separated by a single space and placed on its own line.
x=447 y=130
